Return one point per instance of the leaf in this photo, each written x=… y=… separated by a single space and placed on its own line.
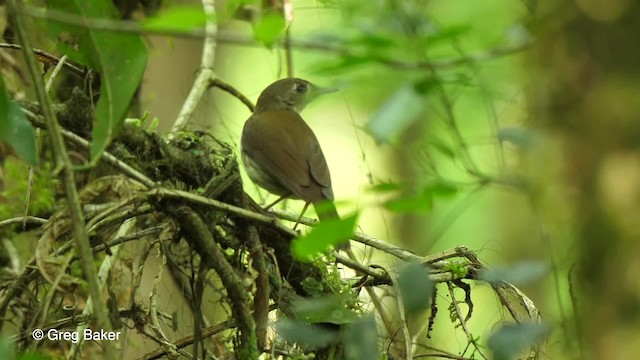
x=521 y=273
x=415 y=287
x=385 y=187
x=361 y=340
x=326 y=233
x=410 y=204
x=510 y=340
x=399 y=112
x=178 y=18
x=16 y=130
x=328 y=309
x=517 y=136
x=119 y=58
x=269 y=28
x=308 y=335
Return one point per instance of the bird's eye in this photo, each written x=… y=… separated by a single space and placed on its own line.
x=300 y=88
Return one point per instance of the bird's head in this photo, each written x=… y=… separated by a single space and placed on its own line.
x=289 y=94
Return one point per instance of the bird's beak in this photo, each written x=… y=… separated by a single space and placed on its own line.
x=317 y=91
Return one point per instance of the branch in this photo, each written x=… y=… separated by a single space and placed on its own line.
x=206 y=75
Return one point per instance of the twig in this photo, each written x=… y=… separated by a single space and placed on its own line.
x=206 y=74
x=217 y=82
x=28 y=219
x=63 y=163
x=403 y=320
x=463 y=322
x=47 y=57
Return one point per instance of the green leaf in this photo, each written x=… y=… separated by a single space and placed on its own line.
x=415 y=287
x=269 y=28
x=521 y=273
x=327 y=309
x=385 y=187
x=6 y=350
x=16 y=130
x=510 y=340
x=119 y=58
x=399 y=112
x=178 y=19
x=326 y=233
x=307 y=335
x=422 y=202
x=361 y=340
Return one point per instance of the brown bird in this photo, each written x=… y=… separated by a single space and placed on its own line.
x=280 y=151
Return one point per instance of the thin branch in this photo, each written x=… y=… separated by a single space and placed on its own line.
x=47 y=58
x=206 y=74
x=234 y=92
x=64 y=165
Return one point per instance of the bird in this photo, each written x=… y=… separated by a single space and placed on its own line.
x=281 y=153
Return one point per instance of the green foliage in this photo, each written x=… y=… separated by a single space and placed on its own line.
x=361 y=340
x=177 y=19
x=326 y=233
x=415 y=287
x=7 y=353
x=520 y=273
x=422 y=201
x=269 y=28
x=327 y=309
x=309 y=336
x=510 y=340
x=458 y=268
x=119 y=58
x=42 y=196
x=15 y=130
x=401 y=110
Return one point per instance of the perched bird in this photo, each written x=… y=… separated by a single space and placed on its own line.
x=280 y=151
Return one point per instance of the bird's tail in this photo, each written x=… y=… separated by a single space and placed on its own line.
x=326 y=210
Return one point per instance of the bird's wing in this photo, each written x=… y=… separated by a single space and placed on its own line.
x=286 y=149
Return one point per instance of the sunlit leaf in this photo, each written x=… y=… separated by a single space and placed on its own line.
x=510 y=340
x=361 y=340
x=415 y=287
x=269 y=28
x=401 y=110
x=518 y=274
x=120 y=59
x=179 y=18
x=15 y=130
x=326 y=233
x=328 y=309
x=304 y=334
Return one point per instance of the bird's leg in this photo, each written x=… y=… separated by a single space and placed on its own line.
x=274 y=203
x=304 y=209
